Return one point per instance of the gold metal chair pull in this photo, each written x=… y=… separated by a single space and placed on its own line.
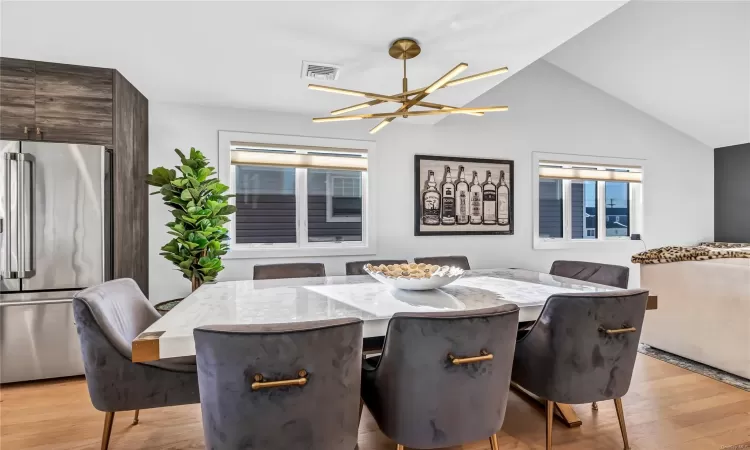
x=260 y=384
x=484 y=356
x=625 y=329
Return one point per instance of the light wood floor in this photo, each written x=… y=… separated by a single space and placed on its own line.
x=666 y=408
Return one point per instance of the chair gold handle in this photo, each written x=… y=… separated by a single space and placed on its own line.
x=260 y=384
x=484 y=356
x=618 y=330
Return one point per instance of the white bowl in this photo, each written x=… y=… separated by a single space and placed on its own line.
x=442 y=277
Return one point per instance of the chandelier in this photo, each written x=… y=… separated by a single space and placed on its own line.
x=405 y=49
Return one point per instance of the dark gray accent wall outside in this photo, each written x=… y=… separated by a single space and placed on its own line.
x=732 y=193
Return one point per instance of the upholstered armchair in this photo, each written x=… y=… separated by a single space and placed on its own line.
x=108 y=318
x=606 y=274
x=289 y=270
x=281 y=386
x=461 y=262
x=443 y=378
x=357 y=267
x=582 y=349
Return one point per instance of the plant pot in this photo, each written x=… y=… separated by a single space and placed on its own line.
x=165 y=307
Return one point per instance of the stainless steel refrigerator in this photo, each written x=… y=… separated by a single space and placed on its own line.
x=55 y=226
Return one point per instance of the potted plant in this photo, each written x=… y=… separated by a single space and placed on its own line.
x=200 y=208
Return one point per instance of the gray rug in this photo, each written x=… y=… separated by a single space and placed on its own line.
x=693 y=366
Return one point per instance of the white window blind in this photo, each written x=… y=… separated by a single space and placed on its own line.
x=309 y=157
x=575 y=171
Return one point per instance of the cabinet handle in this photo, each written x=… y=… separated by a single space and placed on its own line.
x=26 y=131
x=38 y=133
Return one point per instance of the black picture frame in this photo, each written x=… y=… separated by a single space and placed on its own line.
x=420 y=183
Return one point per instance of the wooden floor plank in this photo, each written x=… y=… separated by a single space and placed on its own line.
x=667 y=408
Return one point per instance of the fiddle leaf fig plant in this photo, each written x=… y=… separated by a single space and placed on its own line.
x=200 y=208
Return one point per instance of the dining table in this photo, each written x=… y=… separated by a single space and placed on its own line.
x=291 y=300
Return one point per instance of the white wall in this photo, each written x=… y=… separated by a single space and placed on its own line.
x=550 y=111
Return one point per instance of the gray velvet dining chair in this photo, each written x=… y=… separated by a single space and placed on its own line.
x=606 y=274
x=357 y=267
x=108 y=317
x=290 y=270
x=280 y=386
x=443 y=378
x=582 y=349
x=461 y=262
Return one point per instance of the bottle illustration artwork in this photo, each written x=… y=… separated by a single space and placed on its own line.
x=448 y=200
x=475 y=200
x=462 y=198
x=503 y=198
x=489 y=195
x=431 y=202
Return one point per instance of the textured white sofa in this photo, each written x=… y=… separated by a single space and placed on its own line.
x=703 y=311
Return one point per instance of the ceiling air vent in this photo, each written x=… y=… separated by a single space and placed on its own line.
x=320 y=71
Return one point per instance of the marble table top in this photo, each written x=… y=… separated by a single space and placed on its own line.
x=308 y=299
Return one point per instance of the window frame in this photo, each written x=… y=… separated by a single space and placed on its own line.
x=635 y=203
x=302 y=248
x=329 y=199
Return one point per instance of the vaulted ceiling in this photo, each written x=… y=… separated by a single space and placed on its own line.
x=685 y=63
x=249 y=54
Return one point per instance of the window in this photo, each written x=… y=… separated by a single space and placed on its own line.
x=583 y=210
x=585 y=202
x=343 y=195
x=298 y=198
x=617 y=207
x=550 y=208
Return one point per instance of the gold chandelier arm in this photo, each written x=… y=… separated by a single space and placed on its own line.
x=356 y=107
x=442 y=81
x=381 y=125
x=378 y=102
x=335 y=90
x=393 y=115
x=477 y=76
x=457 y=81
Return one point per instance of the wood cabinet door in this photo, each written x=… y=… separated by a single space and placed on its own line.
x=16 y=98
x=74 y=103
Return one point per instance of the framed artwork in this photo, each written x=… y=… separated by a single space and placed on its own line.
x=461 y=196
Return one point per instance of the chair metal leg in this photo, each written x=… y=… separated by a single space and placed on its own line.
x=550 y=419
x=594 y=406
x=621 y=418
x=135 y=417
x=493 y=443
x=109 y=418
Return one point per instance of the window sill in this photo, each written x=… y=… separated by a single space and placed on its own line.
x=270 y=252
x=558 y=244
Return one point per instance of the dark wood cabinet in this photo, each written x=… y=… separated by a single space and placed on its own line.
x=88 y=105
x=130 y=169
x=17 y=94
x=74 y=103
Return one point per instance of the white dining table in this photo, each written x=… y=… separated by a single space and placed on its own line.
x=309 y=299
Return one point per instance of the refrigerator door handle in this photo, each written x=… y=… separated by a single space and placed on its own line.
x=38 y=302
x=26 y=264
x=10 y=186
